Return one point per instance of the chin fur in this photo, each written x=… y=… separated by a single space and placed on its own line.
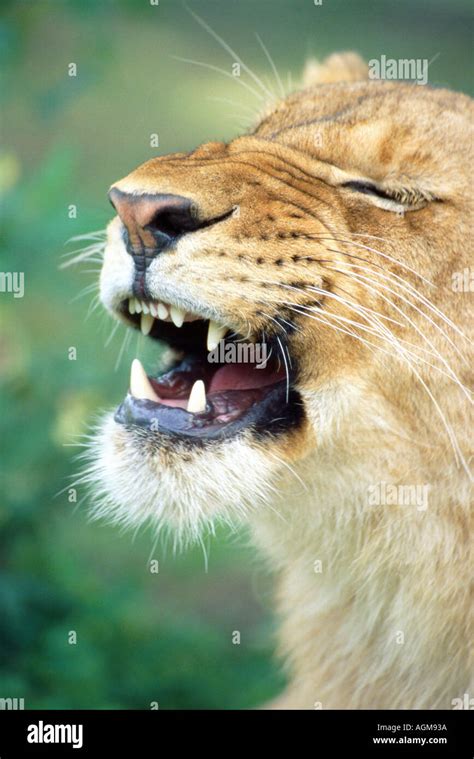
x=140 y=479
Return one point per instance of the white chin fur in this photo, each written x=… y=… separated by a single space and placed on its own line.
x=185 y=491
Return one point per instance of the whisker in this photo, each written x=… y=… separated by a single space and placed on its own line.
x=290 y=468
x=459 y=458
x=286 y=370
x=99 y=234
x=378 y=330
x=125 y=343
x=93 y=306
x=112 y=334
x=85 y=254
x=85 y=291
x=272 y=64
x=363 y=279
x=410 y=290
x=285 y=356
x=345 y=331
x=408 y=285
x=231 y=52
x=221 y=71
x=377 y=252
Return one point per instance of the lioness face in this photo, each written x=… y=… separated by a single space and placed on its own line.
x=305 y=239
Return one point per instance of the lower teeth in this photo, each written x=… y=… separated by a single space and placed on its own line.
x=141 y=388
x=197 y=398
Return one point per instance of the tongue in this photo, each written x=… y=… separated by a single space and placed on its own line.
x=173 y=389
x=244 y=377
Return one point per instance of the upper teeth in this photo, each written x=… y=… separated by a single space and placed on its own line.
x=162 y=311
x=151 y=311
x=214 y=335
x=177 y=316
x=146 y=323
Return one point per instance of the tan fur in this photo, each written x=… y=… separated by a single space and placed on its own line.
x=373 y=599
x=339 y=67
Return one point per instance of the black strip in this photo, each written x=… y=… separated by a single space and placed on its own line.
x=368 y=733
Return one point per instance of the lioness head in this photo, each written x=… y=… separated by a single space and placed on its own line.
x=326 y=238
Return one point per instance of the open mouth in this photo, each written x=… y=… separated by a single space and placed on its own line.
x=218 y=385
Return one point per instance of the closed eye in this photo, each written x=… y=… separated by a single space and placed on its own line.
x=368 y=189
x=401 y=197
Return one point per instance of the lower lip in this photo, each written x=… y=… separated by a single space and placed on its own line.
x=271 y=414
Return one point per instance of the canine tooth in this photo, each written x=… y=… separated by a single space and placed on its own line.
x=197 y=398
x=140 y=384
x=214 y=334
x=138 y=306
x=162 y=311
x=177 y=316
x=146 y=323
x=154 y=309
x=131 y=305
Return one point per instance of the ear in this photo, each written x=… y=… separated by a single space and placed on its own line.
x=338 y=67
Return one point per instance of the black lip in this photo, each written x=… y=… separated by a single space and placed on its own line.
x=277 y=412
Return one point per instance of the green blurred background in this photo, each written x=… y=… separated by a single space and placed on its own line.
x=141 y=637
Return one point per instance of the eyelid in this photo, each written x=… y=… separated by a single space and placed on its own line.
x=367 y=189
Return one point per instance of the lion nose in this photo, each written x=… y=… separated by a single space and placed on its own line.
x=152 y=222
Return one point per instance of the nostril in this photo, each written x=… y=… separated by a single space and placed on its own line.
x=173 y=221
x=153 y=222
x=166 y=214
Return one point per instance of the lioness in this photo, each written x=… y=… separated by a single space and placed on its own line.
x=336 y=234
